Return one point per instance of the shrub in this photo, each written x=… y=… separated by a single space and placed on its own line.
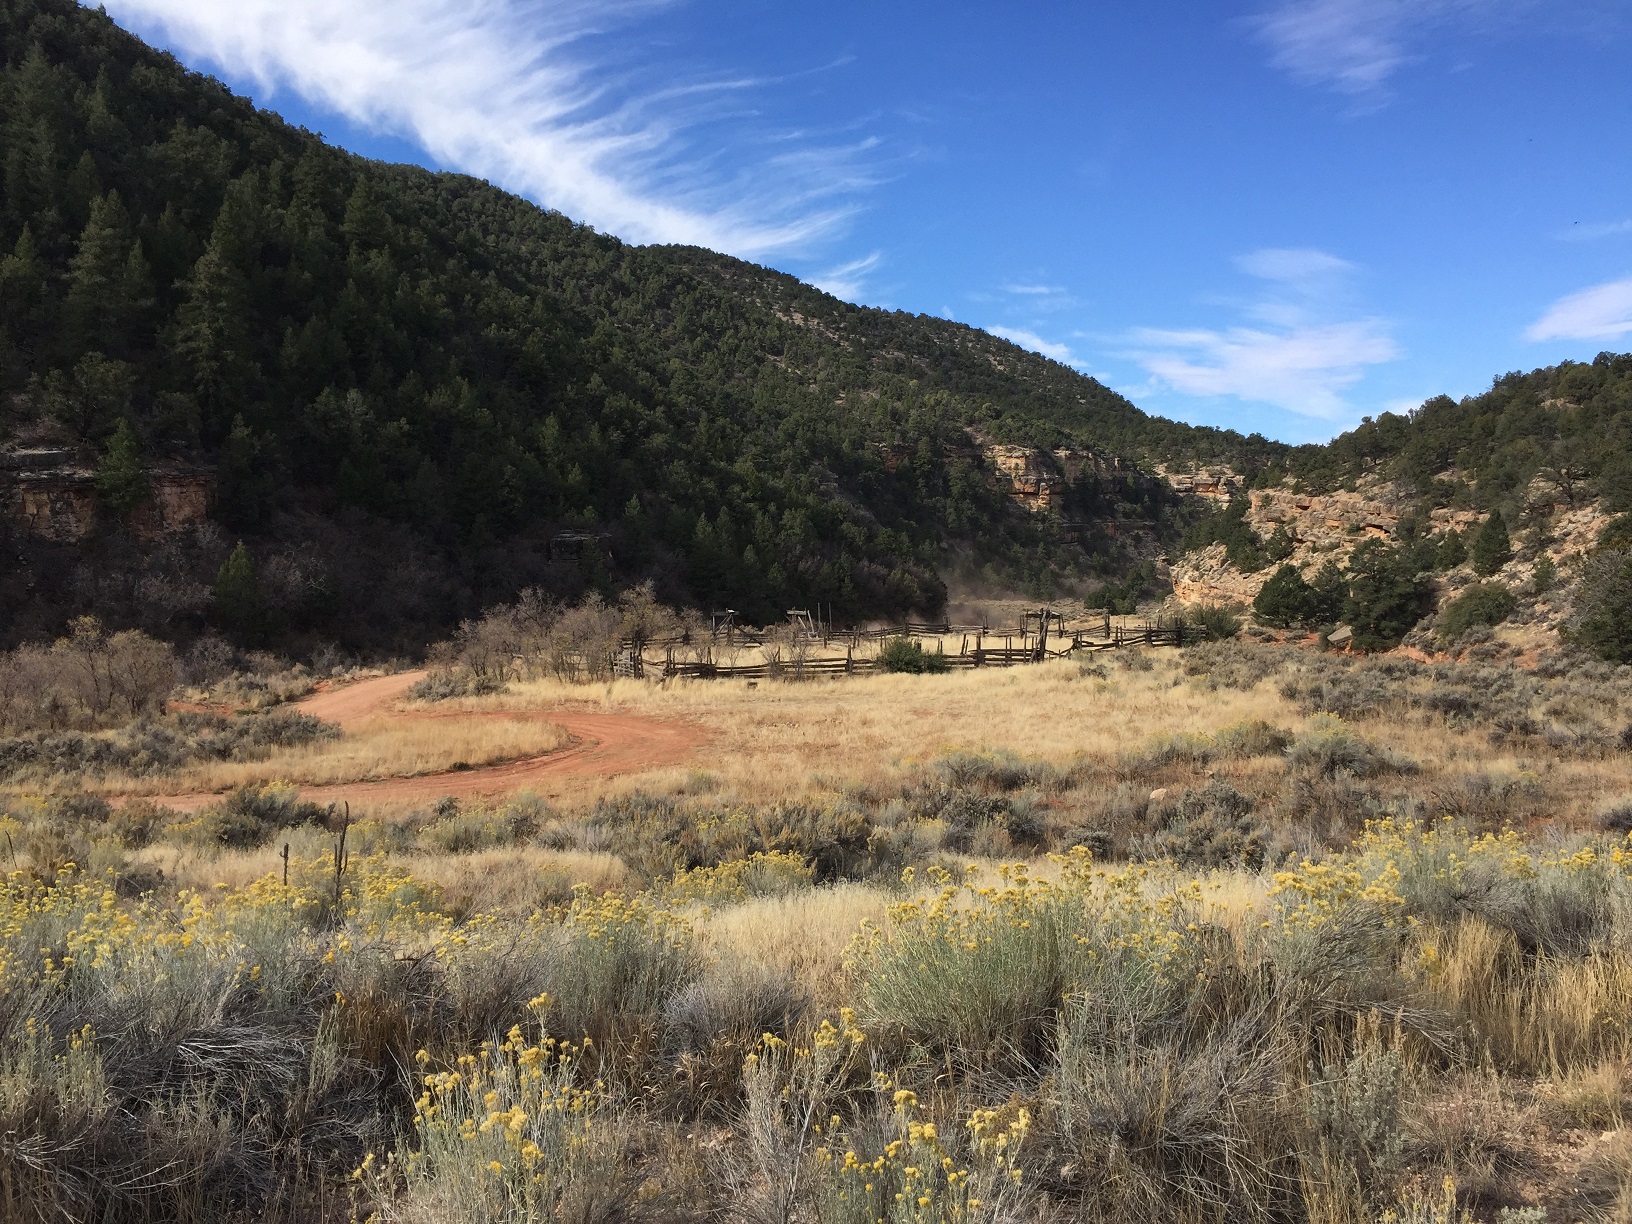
x=87 y=679
x=1252 y=738
x=737 y=1001
x=1236 y=665
x=1483 y=603
x=556 y=1153
x=759 y=875
x=138 y=822
x=249 y=816
x=445 y=683
x=1329 y=747
x=1210 y=827
x=1167 y=1083
x=145 y=748
x=999 y=771
x=619 y=964
x=980 y=985
x=902 y=654
x=1217 y=622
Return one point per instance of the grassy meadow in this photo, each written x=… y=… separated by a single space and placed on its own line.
x=1242 y=932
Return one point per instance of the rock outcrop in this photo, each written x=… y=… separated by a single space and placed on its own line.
x=50 y=491
x=1037 y=478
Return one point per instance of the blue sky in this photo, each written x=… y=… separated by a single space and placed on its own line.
x=1275 y=216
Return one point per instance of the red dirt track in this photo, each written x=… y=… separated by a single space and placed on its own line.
x=600 y=744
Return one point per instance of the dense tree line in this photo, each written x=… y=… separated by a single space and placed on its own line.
x=410 y=383
x=1564 y=432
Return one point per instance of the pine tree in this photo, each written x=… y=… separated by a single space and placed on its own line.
x=107 y=280
x=1286 y=599
x=1452 y=551
x=210 y=338
x=92 y=397
x=240 y=604
x=1491 y=547
x=22 y=291
x=120 y=477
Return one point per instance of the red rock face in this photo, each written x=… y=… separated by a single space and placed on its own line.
x=60 y=503
x=179 y=500
x=58 y=508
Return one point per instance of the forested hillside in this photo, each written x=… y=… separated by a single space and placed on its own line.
x=409 y=384
x=1569 y=424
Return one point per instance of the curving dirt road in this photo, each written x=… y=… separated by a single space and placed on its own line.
x=600 y=744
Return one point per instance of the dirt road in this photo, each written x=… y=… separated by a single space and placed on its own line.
x=600 y=744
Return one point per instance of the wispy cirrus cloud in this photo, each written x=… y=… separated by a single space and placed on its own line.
x=1291 y=352
x=1602 y=312
x=537 y=96
x=1355 y=46
x=848 y=279
x=1302 y=369
x=1352 y=46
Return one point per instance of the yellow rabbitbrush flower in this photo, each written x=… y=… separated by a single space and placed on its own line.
x=979 y=966
x=511 y=1132
x=764 y=874
x=916 y=1178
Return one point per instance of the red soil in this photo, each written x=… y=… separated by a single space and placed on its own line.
x=600 y=744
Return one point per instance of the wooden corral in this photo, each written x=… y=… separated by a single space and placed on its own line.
x=819 y=650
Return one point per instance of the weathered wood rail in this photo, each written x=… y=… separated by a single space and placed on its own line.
x=980 y=646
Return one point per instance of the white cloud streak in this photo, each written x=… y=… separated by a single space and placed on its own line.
x=1035 y=290
x=1603 y=312
x=1301 y=370
x=1031 y=340
x=1295 y=359
x=847 y=280
x=508 y=90
x=1351 y=45
x=1300 y=268
x=1355 y=46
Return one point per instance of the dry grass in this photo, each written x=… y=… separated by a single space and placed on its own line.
x=777 y=740
x=383 y=747
x=804 y=933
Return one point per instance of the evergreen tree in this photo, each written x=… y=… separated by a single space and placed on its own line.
x=1385 y=599
x=240 y=603
x=121 y=479
x=1602 y=620
x=1286 y=599
x=1491 y=547
x=107 y=280
x=1452 y=551
x=210 y=333
x=92 y=396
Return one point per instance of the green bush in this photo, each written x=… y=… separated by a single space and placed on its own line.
x=1452 y=551
x=905 y=655
x=1483 y=603
x=1329 y=747
x=250 y=816
x=1217 y=622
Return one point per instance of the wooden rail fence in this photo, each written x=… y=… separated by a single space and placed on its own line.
x=1052 y=639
